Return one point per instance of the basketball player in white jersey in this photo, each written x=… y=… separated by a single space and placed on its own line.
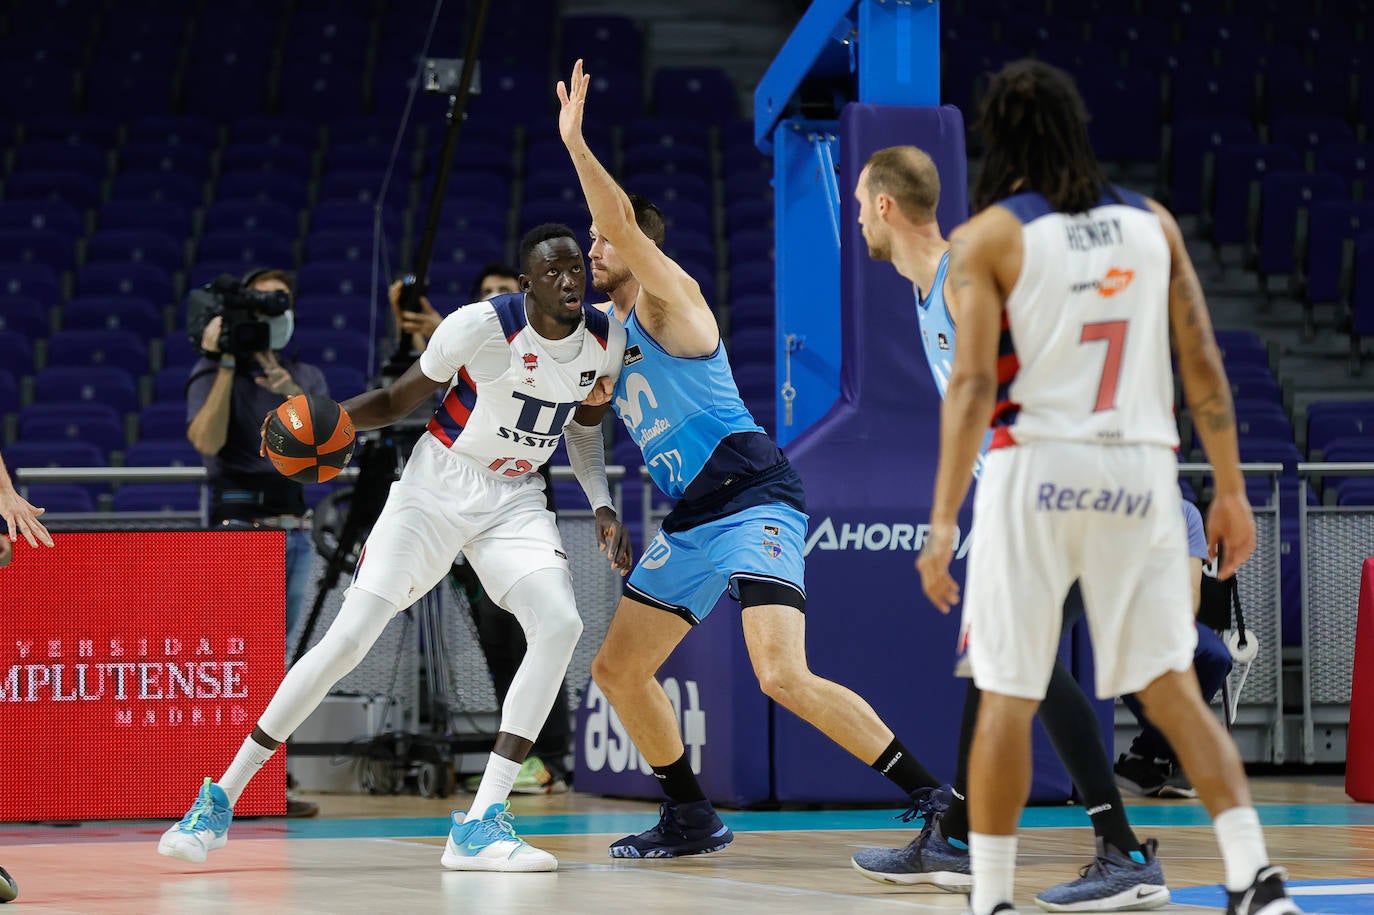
x=898 y=192
x=517 y=367
x=1067 y=291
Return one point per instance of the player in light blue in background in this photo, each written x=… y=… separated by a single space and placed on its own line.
x=739 y=522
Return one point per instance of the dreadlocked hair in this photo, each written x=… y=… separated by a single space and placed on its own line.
x=1035 y=132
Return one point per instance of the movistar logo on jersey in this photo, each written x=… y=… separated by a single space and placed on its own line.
x=659 y=427
x=878 y=536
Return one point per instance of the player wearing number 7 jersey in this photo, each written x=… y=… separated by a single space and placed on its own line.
x=1058 y=267
x=739 y=523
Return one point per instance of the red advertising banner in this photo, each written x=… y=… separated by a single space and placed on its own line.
x=132 y=665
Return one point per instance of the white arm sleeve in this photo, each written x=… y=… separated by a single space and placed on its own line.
x=457 y=340
x=587 y=454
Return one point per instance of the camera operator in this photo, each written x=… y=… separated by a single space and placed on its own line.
x=241 y=328
x=240 y=379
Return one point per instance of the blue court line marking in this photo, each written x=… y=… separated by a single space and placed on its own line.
x=1316 y=897
x=1142 y=817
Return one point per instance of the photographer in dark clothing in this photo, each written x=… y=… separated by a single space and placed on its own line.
x=240 y=378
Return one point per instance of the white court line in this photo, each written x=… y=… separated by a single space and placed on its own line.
x=770 y=887
x=1339 y=889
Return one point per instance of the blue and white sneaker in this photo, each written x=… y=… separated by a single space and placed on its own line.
x=683 y=829
x=490 y=844
x=204 y=828
x=1114 y=882
x=929 y=859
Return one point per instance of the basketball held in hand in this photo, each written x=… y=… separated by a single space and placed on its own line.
x=309 y=439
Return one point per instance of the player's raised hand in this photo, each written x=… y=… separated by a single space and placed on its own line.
x=21 y=519
x=573 y=98
x=601 y=393
x=933 y=564
x=1230 y=523
x=613 y=539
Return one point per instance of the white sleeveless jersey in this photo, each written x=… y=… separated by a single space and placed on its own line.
x=1084 y=354
x=510 y=398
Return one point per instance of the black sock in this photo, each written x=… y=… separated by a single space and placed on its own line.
x=904 y=770
x=1073 y=728
x=679 y=782
x=954 y=824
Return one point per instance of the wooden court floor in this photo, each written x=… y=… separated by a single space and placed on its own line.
x=381 y=854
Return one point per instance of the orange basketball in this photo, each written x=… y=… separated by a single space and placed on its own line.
x=309 y=439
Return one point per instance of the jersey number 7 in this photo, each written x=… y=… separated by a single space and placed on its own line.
x=1113 y=333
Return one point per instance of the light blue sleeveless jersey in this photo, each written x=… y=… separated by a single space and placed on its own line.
x=937 y=336
x=680 y=411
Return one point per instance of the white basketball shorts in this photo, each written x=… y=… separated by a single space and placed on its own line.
x=1047 y=513
x=442 y=506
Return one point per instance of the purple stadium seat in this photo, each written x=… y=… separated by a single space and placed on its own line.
x=16 y=353
x=1362 y=294
x=1332 y=224
x=335 y=347
x=1352 y=161
x=602 y=42
x=354 y=247
x=347 y=216
x=173 y=130
x=363 y=187
x=139 y=316
x=169 y=452
x=41 y=215
x=37 y=281
x=337 y=278
x=617 y=88
x=701 y=94
x=1316 y=92
x=59 y=497
x=687 y=246
x=256 y=130
x=158 y=187
x=1237 y=168
x=752 y=280
x=1309 y=135
x=37 y=246
x=105 y=384
x=1125 y=110
x=55 y=155
x=264 y=157
x=90 y=129
x=171 y=219
x=157 y=497
x=144 y=281
x=36 y=88
x=344 y=380
x=1354 y=420
x=514 y=96
x=23 y=315
x=472 y=248
x=106 y=434
x=78 y=189
x=250 y=249
x=559 y=184
x=450 y=283
x=1355 y=491
x=751 y=247
x=169 y=384
x=319 y=95
x=141 y=246
x=165 y=420
x=180 y=159
x=653 y=159
x=236 y=216
x=537 y=212
x=1354 y=449
x=681 y=213
x=178 y=351
x=1205 y=92
x=1284 y=197
x=359 y=157
x=230 y=84
x=55 y=454
x=207 y=271
x=749 y=214
x=1193 y=142
x=335 y=312
x=118 y=348
x=272 y=188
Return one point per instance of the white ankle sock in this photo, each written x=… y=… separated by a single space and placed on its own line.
x=1242 y=846
x=251 y=757
x=993 y=859
x=497 y=780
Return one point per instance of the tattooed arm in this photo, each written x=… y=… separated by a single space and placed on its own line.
x=1208 y=395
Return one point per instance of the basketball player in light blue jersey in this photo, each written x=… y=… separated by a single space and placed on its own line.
x=898 y=192
x=739 y=523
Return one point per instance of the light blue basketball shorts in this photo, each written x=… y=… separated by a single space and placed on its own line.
x=686 y=571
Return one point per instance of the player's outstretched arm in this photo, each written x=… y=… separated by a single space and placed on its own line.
x=614 y=217
x=384 y=406
x=972 y=391
x=21 y=518
x=1208 y=395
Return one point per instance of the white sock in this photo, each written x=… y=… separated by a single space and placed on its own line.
x=497 y=780
x=1242 y=846
x=993 y=859
x=251 y=757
